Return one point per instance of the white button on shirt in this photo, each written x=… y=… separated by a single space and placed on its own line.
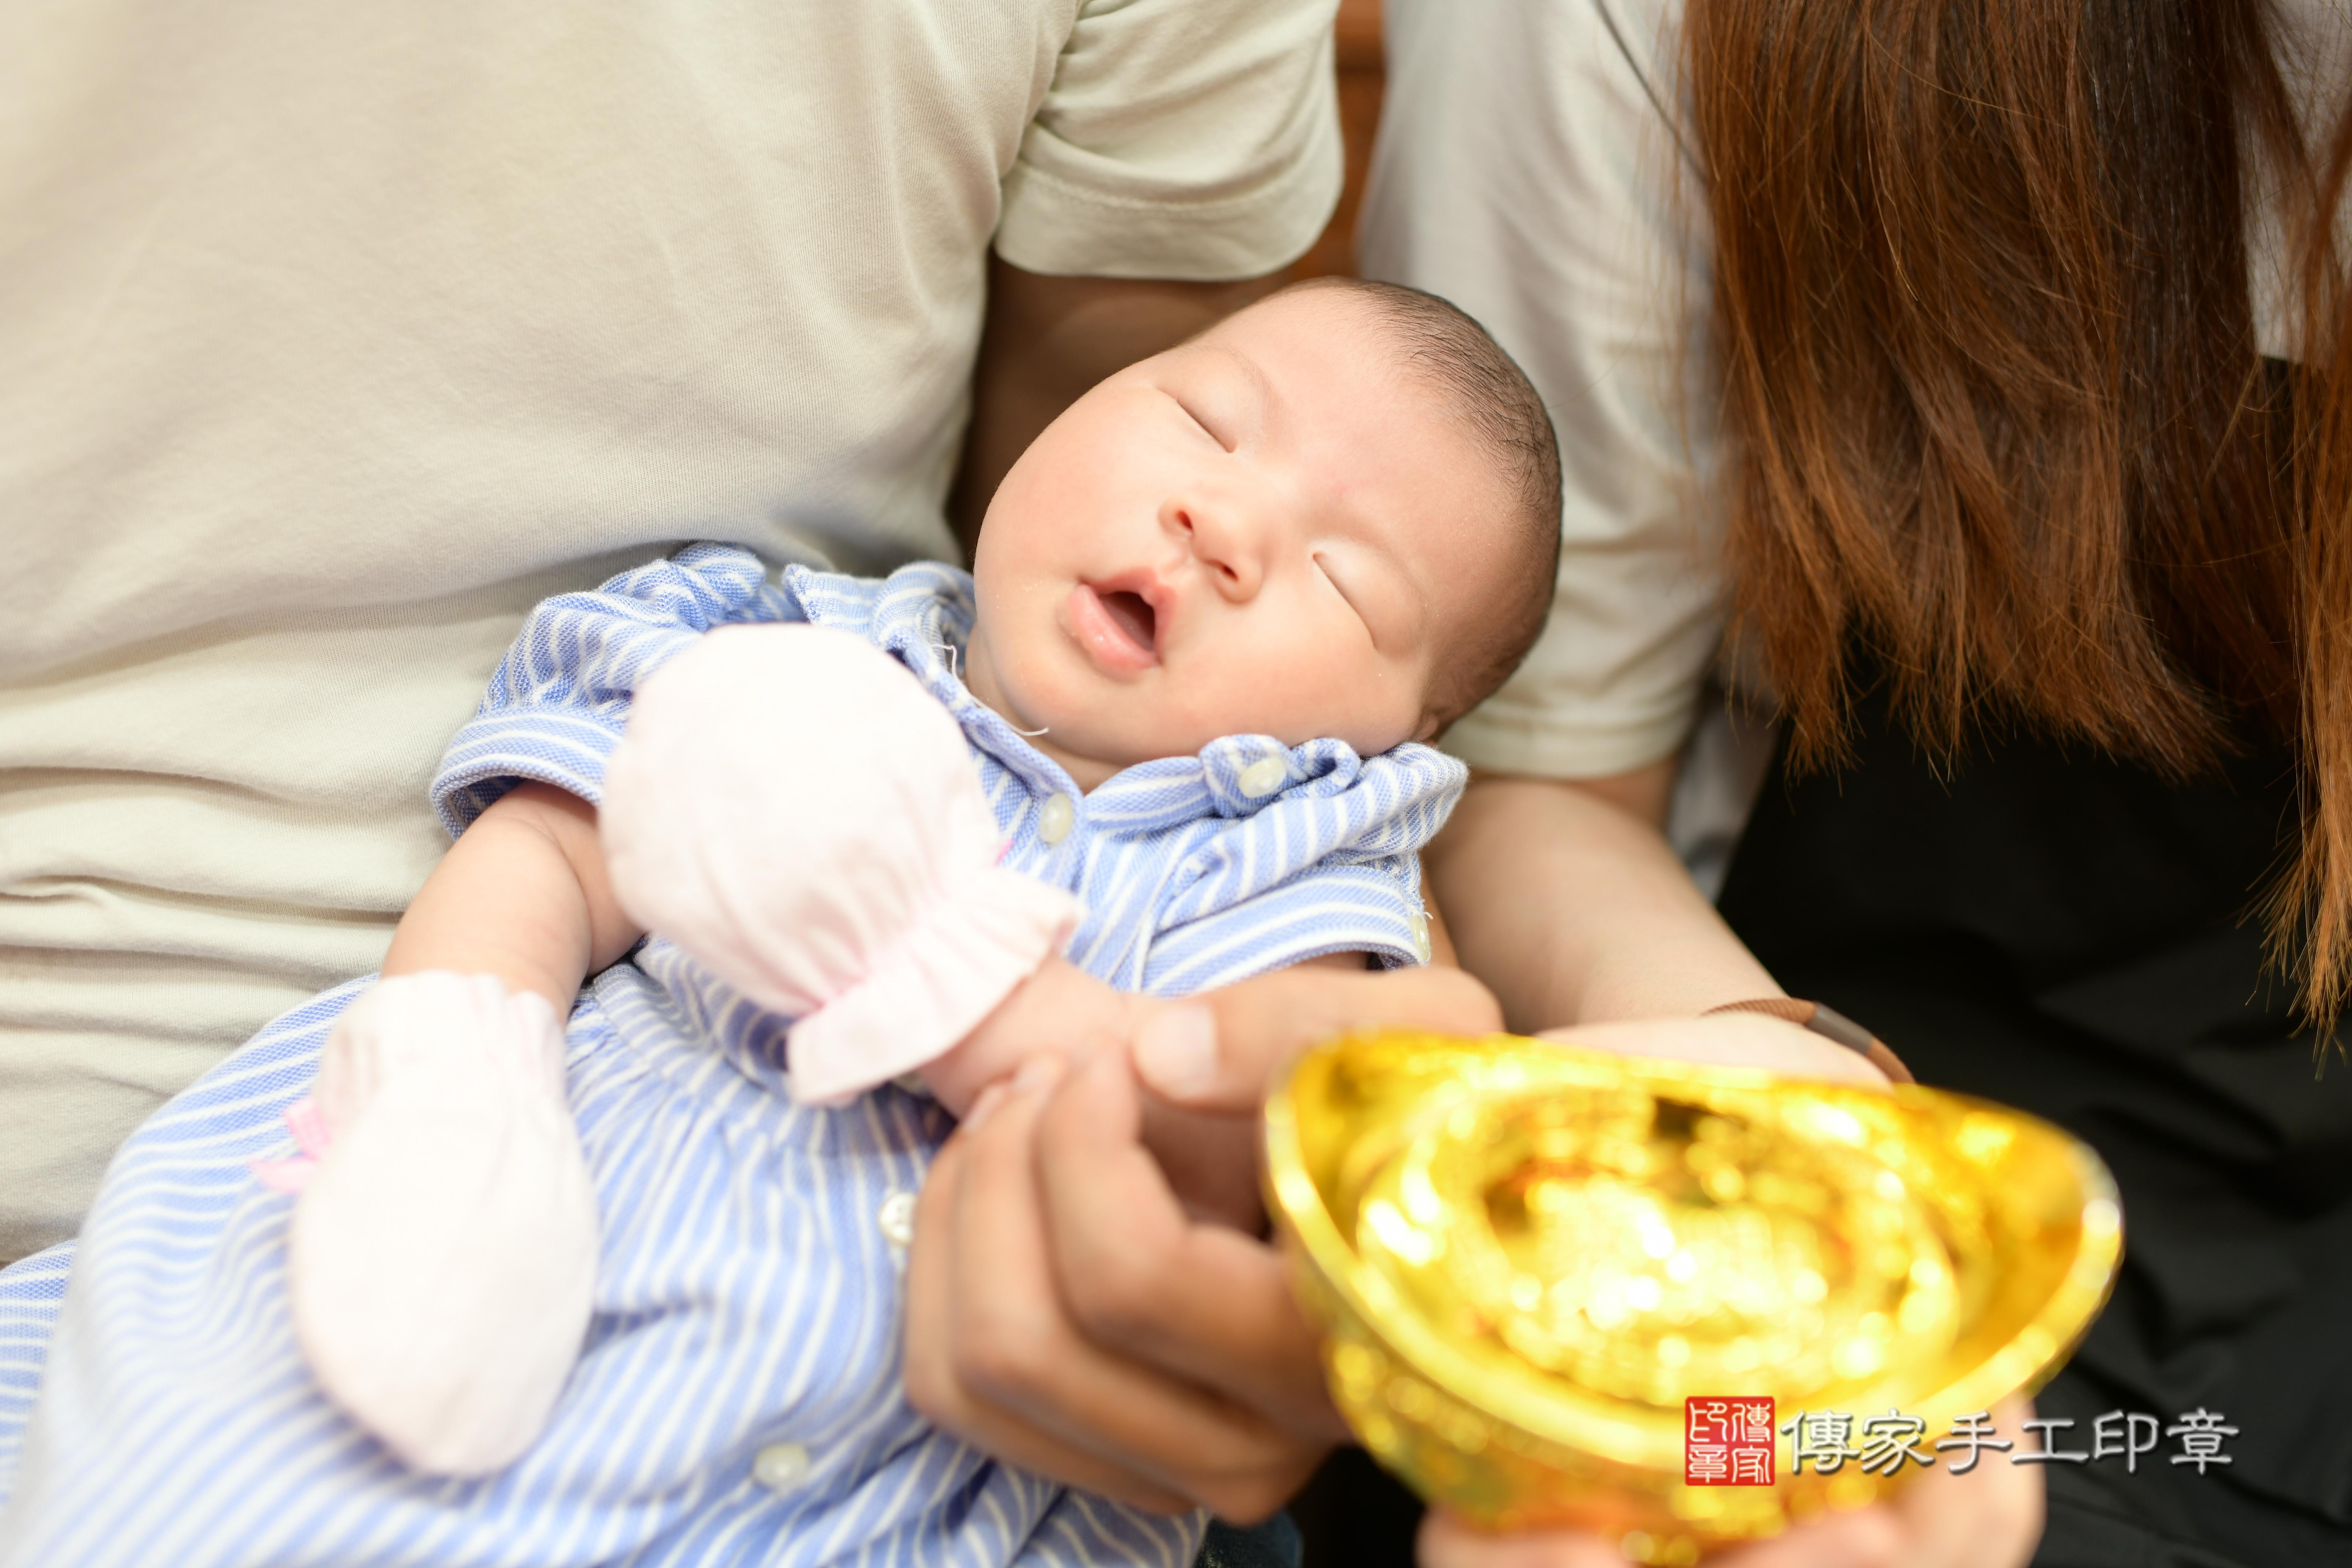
x=1054 y=818
x=779 y=1467
x=1261 y=779
x=1420 y=924
x=896 y=1218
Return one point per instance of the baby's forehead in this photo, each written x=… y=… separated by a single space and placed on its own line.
x=1349 y=365
x=1335 y=363
x=1330 y=320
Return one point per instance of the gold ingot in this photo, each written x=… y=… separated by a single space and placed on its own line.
x=1524 y=1256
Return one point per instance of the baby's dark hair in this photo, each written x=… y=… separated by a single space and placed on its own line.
x=1492 y=396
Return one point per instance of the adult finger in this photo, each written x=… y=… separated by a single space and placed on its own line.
x=1012 y=1348
x=1989 y=1518
x=1208 y=1303
x=1219 y=1050
x=935 y=1388
x=1866 y=1538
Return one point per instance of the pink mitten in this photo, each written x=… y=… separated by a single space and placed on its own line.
x=793 y=809
x=442 y=1259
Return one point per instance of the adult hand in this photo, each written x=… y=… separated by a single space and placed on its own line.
x=1062 y=1311
x=1989 y=1518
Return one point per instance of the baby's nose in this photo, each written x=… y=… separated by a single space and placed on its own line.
x=1223 y=539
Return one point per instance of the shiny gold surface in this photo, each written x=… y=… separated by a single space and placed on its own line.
x=1526 y=1255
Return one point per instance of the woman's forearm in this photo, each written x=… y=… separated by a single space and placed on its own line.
x=1565 y=898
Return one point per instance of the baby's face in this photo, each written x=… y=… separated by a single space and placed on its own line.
x=1275 y=529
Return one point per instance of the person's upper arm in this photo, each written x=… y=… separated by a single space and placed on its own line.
x=1527 y=172
x=1194 y=139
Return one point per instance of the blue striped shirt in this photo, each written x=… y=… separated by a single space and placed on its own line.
x=738 y=1400
x=1189 y=881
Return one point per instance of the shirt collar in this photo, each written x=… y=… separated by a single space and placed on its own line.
x=923 y=618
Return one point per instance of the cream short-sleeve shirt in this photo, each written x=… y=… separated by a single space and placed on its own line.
x=333 y=337
x=1531 y=167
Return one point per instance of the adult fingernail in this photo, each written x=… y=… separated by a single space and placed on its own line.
x=990 y=1098
x=1176 y=1051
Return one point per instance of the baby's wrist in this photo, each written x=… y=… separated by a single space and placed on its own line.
x=520 y=978
x=1059 y=1010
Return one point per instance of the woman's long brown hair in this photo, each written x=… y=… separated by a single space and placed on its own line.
x=1981 y=303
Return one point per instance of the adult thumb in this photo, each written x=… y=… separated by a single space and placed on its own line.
x=1219 y=1050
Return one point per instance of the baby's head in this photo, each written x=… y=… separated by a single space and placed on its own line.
x=1335 y=513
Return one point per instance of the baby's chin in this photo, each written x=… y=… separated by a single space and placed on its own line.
x=1093 y=741
x=1095 y=732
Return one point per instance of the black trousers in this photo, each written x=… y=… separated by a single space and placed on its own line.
x=2071 y=934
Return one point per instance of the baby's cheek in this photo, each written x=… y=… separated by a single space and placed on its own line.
x=1291 y=689
x=1367 y=706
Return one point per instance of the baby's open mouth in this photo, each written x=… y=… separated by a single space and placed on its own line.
x=1135 y=618
x=1117 y=627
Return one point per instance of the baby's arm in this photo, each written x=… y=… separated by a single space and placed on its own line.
x=523 y=895
x=442 y=1254
x=1210 y=1159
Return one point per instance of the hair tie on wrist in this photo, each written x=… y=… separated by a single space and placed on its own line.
x=1829 y=1023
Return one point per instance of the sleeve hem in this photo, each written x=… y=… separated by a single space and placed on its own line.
x=1360 y=907
x=1057 y=227
x=495 y=753
x=1387 y=951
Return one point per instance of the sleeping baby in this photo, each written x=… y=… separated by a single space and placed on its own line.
x=554 y=1273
